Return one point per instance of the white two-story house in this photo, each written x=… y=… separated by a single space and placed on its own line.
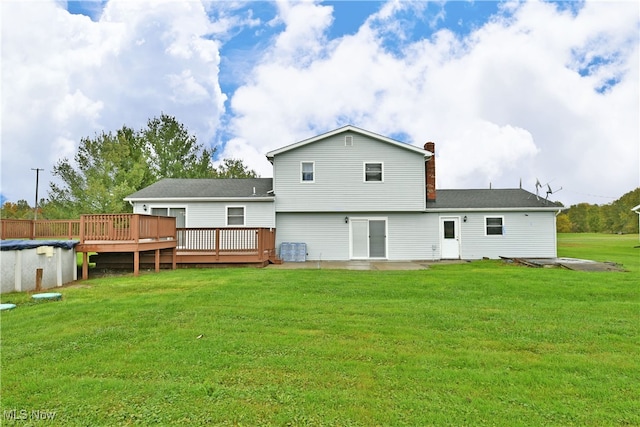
x=351 y=194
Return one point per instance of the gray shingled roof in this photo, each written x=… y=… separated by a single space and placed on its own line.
x=489 y=199
x=205 y=188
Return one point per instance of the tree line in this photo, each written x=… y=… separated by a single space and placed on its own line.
x=113 y=165
x=616 y=217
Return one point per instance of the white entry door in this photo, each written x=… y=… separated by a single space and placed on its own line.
x=368 y=238
x=450 y=237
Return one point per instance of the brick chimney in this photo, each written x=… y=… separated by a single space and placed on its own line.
x=430 y=172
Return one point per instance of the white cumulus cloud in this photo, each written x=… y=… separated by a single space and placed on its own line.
x=540 y=90
x=65 y=77
x=536 y=92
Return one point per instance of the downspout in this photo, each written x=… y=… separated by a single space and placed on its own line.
x=555 y=229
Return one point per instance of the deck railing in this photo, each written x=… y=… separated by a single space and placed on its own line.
x=44 y=229
x=101 y=227
x=226 y=241
x=257 y=242
x=126 y=227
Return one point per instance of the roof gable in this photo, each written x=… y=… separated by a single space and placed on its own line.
x=344 y=129
x=203 y=188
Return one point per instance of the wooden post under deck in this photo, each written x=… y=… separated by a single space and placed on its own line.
x=136 y=263
x=157 y=260
x=174 y=256
x=85 y=266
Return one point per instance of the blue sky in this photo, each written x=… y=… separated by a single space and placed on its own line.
x=507 y=90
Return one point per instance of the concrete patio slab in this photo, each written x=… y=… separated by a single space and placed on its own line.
x=360 y=265
x=568 y=263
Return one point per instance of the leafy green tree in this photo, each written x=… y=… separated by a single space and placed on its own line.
x=594 y=219
x=623 y=219
x=234 y=168
x=172 y=152
x=615 y=217
x=18 y=210
x=108 y=168
x=563 y=223
x=111 y=166
x=578 y=215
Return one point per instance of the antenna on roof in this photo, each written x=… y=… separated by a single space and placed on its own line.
x=538 y=185
x=550 y=191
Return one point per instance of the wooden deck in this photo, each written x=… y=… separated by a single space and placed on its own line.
x=126 y=233
x=145 y=234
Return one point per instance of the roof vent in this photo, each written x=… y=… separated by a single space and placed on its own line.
x=348 y=140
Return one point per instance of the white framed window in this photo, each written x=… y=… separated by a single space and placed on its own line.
x=235 y=216
x=307 y=171
x=373 y=172
x=494 y=225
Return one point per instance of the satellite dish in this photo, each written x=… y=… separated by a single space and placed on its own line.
x=550 y=191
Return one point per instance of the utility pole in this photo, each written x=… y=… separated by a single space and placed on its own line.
x=35 y=213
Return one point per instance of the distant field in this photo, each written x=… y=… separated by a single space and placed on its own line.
x=624 y=249
x=480 y=343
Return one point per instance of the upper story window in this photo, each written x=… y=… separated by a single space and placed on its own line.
x=307 y=172
x=235 y=215
x=494 y=225
x=373 y=172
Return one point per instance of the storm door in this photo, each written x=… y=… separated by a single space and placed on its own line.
x=450 y=238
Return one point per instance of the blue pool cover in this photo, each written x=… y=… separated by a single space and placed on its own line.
x=18 y=245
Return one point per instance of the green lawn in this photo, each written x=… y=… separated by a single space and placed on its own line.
x=481 y=343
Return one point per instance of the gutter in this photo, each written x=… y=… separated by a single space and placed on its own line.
x=203 y=199
x=519 y=209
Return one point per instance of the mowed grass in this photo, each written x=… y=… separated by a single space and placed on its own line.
x=481 y=343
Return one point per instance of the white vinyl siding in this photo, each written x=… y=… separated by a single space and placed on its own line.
x=339 y=183
x=214 y=214
x=409 y=235
x=526 y=234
